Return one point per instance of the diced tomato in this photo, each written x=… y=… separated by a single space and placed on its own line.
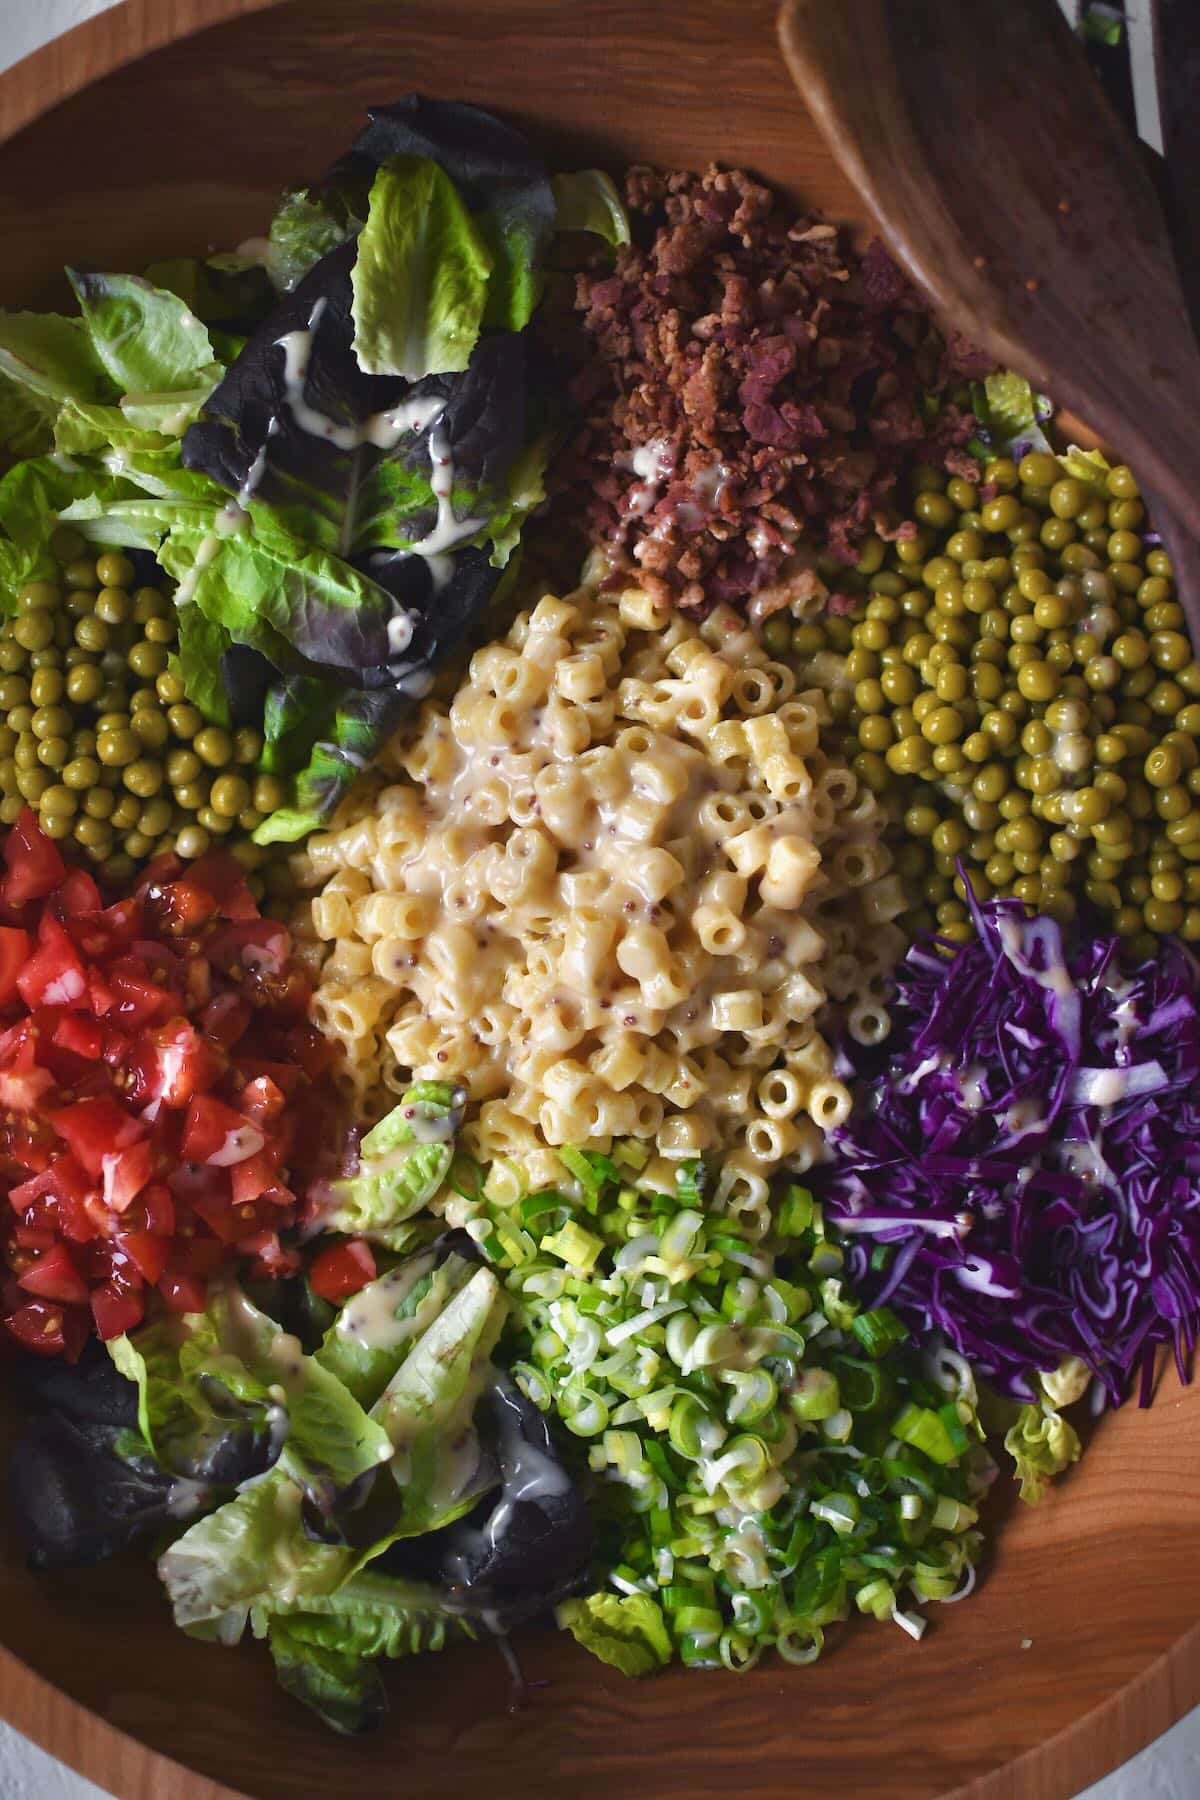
x=261 y=1100
x=225 y=1019
x=215 y=1134
x=116 y=1312
x=171 y=1063
x=126 y=1173
x=253 y=947
x=16 y=947
x=256 y=1175
x=35 y=867
x=95 y=1129
x=342 y=1270
x=147 y=1251
x=33 y=1237
x=80 y=1035
x=21 y=1089
x=143 y=1154
x=78 y=893
x=49 y=1329
x=138 y=1001
x=283 y=1076
x=152 y=1211
x=54 y=975
x=183 y=1292
x=54 y=1277
x=108 y=932
x=271 y=1260
x=180 y=908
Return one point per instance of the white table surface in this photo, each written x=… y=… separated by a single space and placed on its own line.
x=1167 y=1770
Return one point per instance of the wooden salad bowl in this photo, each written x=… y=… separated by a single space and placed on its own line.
x=1081 y=1642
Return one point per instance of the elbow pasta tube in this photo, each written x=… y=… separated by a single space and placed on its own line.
x=614 y=889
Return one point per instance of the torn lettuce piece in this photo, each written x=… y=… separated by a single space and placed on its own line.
x=225 y=1394
x=587 y=200
x=308 y=224
x=344 y=1691
x=1042 y=1444
x=205 y=1418
x=146 y=338
x=1010 y=415
x=377 y=1327
x=428 y=1406
x=420 y=278
x=1066 y=1384
x=501 y=180
x=253 y=1551
x=404 y=1160
x=330 y=1440
x=325 y=1653
x=626 y=1631
x=222 y=291
x=1089 y=466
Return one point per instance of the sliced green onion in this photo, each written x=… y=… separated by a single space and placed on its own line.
x=795 y=1214
x=879 y=1331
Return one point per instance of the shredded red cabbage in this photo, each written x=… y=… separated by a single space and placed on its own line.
x=1029 y=1154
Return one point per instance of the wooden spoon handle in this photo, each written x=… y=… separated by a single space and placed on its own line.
x=1017 y=204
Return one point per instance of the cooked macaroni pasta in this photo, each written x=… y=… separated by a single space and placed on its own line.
x=610 y=886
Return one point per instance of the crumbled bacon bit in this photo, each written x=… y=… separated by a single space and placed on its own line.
x=750 y=390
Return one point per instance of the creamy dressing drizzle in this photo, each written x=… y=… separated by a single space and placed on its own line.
x=369 y=1319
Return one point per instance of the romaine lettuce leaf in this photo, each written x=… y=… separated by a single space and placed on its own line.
x=147 y=339
x=403 y=1161
x=214 y=1423
x=587 y=200
x=308 y=224
x=51 y=357
x=1042 y=1444
x=627 y=1631
x=427 y=1408
x=325 y=1654
x=501 y=180
x=420 y=277
x=345 y=1691
x=253 y=1551
x=375 y=1330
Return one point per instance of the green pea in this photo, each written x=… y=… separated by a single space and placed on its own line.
x=1170 y=650
x=185 y=721
x=146 y=659
x=32 y=783
x=192 y=795
x=117 y=749
x=160 y=632
x=1067 y=498
x=875 y=732
x=33 y=631
x=934 y=509
x=214 y=746
x=91 y=634
x=149 y=603
x=113 y=606
x=908 y=757
x=143 y=778
x=170 y=689
x=150 y=728
x=53 y=752
x=192 y=841
x=777 y=634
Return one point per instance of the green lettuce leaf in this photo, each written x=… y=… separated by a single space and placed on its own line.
x=147 y=339
x=403 y=1162
x=306 y=227
x=587 y=200
x=427 y=1408
x=371 y=1615
x=330 y=1439
x=325 y=1653
x=199 y=1410
x=627 y=1631
x=1088 y=466
x=222 y=290
x=344 y=1691
x=1042 y=1444
x=51 y=357
x=1068 y=1383
x=420 y=277
x=375 y=1330
x=253 y=1551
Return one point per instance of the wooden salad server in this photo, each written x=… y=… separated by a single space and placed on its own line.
x=1007 y=187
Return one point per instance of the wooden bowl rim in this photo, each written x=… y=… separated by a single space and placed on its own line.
x=1095 y=1744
